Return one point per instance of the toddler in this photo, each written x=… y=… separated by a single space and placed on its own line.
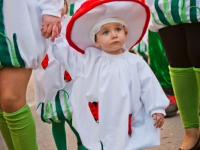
x=115 y=96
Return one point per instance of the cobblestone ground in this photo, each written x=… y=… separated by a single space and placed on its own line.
x=171 y=132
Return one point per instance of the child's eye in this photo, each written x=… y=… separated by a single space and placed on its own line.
x=118 y=29
x=105 y=32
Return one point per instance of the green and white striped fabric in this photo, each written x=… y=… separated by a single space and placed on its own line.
x=56 y=110
x=172 y=12
x=9 y=52
x=141 y=48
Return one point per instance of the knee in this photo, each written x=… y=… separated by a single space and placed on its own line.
x=8 y=100
x=11 y=103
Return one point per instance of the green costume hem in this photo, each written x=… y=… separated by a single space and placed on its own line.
x=190 y=69
x=197 y=70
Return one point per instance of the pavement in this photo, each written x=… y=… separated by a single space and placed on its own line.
x=172 y=132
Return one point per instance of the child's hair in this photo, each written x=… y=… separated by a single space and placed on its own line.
x=95 y=37
x=65 y=3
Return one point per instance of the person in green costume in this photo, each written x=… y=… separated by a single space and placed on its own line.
x=21 y=50
x=177 y=23
x=141 y=49
x=159 y=64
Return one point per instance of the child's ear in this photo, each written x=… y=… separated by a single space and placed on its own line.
x=126 y=32
x=97 y=44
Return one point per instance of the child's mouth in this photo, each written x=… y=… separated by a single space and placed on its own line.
x=116 y=42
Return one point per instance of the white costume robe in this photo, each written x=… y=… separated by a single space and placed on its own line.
x=49 y=82
x=122 y=85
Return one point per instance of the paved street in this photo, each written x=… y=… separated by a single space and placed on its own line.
x=171 y=132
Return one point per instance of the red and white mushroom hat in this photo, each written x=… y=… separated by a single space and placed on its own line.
x=92 y=14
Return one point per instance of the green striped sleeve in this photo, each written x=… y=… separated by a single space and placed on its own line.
x=175 y=11
x=161 y=15
x=183 y=11
x=166 y=12
x=193 y=11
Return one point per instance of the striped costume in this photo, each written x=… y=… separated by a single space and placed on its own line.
x=173 y=12
x=22 y=44
x=178 y=24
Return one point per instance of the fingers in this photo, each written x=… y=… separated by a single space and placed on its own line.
x=48 y=31
x=43 y=30
x=55 y=32
x=159 y=123
x=51 y=26
x=59 y=28
x=154 y=116
x=159 y=120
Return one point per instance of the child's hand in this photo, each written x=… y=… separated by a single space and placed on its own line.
x=159 y=120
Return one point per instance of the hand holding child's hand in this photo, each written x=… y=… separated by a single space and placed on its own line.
x=159 y=120
x=51 y=26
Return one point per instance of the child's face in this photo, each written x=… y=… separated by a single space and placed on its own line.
x=111 y=38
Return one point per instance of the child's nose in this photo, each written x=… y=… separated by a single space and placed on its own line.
x=114 y=34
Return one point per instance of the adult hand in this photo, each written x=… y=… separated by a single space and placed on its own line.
x=51 y=26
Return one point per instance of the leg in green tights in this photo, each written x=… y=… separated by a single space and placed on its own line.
x=197 y=71
x=185 y=86
x=22 y=128
x=59 y=135
x=186 y=90
x=62 y=132
x=80 y=146
x=5 y=132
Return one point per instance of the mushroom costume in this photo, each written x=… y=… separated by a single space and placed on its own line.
x=114 y=96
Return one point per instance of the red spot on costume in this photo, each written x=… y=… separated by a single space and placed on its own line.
x=130 y=125
x=45 y=61
x=94 y=108
x=67 y=76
